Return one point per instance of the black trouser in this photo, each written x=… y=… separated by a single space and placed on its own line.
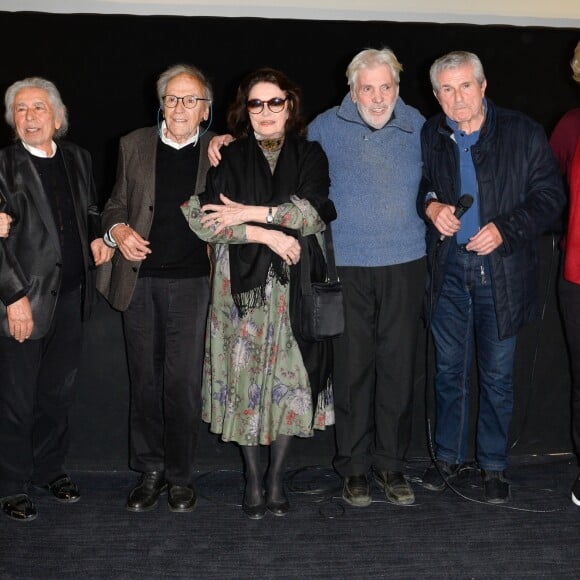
x=164 y=333
x=569 y=295
x=374 y=366
x=37 y=380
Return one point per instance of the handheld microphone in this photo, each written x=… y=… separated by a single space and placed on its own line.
x=464 y=203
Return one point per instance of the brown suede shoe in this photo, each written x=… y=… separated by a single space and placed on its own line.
x=356 y=491
x=396 y=487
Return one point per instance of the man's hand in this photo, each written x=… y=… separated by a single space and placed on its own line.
x=5 y=221
x=101 y=252
x=216 y=143
x=20 y=321
x=485 y=241
x=442 y=217
x=130 y=243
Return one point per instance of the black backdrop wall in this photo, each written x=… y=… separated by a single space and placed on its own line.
x=106 y=67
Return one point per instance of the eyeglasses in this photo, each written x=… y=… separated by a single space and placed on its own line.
x=189 y=101
x=256 y=106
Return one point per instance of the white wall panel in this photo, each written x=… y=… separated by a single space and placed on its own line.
x=558 y=13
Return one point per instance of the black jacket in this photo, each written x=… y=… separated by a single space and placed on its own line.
x=520 y=191
x=30 y=257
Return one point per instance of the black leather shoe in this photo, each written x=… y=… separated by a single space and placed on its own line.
x=254 y=512
x=356 y=491
x=496 y=488
x=181 y=498
x=19 y=507
x=145 y=495
x=64 y=489
x=278 y=508
x=435 y=476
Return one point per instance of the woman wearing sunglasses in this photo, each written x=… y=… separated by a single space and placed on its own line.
x=261 y=381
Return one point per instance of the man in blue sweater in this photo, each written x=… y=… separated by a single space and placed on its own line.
x=372 y=141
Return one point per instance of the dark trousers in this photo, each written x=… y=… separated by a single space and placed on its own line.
x=164 y=333
x=37 y=380
x=374 y=363
x=569 y=295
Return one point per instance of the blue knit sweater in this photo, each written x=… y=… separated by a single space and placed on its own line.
x=375 y=177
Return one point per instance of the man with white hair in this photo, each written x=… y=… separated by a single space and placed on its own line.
x=372 y=141
x=46 y=290
x=483 y=267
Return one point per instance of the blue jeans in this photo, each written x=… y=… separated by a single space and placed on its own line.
x=464 y=321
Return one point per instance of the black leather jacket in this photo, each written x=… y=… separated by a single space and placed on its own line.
x=520 y=191
x=30 y=257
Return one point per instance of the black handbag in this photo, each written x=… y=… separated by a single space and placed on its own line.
x=321 y=304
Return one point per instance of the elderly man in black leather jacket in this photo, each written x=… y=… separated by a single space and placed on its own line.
x=483 y=267
x=46 y=289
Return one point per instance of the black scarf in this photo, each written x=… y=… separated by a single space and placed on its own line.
x=244 y=176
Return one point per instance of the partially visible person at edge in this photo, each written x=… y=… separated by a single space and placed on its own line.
x=483 y=272
x=372 y=140
x=565 y=142
x=160 y=281
x=261 y=381
x=46 y=291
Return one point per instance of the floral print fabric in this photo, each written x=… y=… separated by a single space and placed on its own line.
x=255 y=386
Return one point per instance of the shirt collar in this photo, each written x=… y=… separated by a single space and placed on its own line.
x=40 y=152
x=175 y=144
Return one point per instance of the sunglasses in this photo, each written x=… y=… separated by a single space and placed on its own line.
x=256 y=106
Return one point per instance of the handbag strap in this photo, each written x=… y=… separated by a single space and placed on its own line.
x=331 y=272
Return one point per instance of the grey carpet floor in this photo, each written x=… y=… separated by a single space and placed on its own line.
x=444 y=535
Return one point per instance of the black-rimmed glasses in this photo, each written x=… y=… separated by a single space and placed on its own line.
x=256 y=106
x=189 y=101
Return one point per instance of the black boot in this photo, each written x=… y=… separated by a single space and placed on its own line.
x=276 y=499
x=253 y=504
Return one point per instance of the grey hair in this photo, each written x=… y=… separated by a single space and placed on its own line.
x=182 y=69
x=370 y=58
x=575 y=64
x=53 y=96
x=456 y=59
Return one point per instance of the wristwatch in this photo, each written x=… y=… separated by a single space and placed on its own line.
x=269 y=217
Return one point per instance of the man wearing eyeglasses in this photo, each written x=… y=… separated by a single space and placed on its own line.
x=159 y=280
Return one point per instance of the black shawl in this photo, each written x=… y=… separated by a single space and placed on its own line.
x=244 y=176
